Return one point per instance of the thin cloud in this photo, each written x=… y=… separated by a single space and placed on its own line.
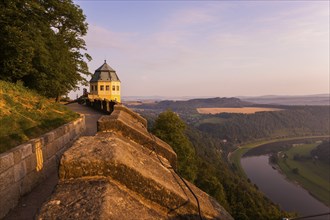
x=99 y=37
x=191 y=16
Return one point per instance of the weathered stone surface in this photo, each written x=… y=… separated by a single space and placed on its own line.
x=59 y=132
x=19 y=171
x=17 y=156
x=133 y=114
x=52 y=148
x=6 y=161
x=26 y=150
x=97 y=198
x=123 y=123
x=111 y=155
x=7 y=178
x=49 y=137
x=31 y=163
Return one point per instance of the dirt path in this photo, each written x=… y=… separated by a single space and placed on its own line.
x=29 y=205
x=91 y=117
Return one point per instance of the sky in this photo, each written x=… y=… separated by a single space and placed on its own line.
x=211 y=48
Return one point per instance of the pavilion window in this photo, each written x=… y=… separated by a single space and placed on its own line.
x=107 y=88
x=101 y=88
x=117 y=88
x=113 y=88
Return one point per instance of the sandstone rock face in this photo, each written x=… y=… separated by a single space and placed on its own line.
x=115 y=176
x=129 y=124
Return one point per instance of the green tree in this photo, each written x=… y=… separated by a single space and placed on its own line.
x=169 y=127
x=42 y=45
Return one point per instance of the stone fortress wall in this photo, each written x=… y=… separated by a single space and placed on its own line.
x=25 y=166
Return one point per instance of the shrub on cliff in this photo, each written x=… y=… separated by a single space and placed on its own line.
x=171 y=129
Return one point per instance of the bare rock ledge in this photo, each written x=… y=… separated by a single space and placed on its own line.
x=120 y=175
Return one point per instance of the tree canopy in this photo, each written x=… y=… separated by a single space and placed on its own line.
x=170 y=128
x=42 y=45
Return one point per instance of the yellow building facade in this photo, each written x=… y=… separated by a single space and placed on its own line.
x=105 y=84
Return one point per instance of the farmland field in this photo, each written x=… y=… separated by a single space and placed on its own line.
x=244 y=110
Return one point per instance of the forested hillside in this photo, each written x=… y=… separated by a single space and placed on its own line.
x=201 y=160
x=295 y=121
x=191 y=105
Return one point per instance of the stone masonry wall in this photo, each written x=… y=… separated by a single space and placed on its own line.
x=25 y=166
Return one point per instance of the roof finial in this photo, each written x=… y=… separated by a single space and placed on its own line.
x=105 y=61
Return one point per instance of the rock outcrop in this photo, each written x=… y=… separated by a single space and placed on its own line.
x=123 y=172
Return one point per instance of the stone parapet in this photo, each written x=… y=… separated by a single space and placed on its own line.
x=136 y=169
x=25 y=166
x=133 y=114
x=133 y=126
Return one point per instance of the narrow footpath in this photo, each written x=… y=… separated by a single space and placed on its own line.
x=29 y=205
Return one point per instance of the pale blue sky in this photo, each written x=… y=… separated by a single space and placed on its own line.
x=212 y=48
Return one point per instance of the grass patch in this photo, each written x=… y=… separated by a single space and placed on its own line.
x=311 y=174
x=25 y=115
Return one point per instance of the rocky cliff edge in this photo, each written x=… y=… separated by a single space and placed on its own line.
x=124 y=172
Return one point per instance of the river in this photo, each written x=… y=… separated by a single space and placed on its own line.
x=276 y=187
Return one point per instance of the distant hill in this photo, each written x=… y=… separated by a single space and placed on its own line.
x=25 y=115
x=320 y=99
x=196 y=103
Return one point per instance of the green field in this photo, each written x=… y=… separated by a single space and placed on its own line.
x=312 y=175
